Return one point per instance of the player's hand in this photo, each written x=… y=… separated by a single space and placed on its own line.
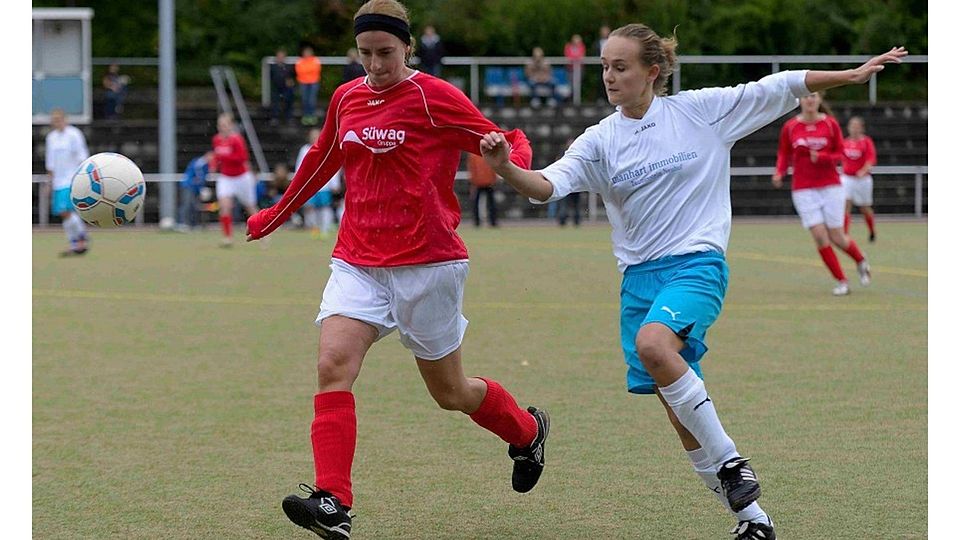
x=777 y=180
x=863 y=73
x=257 y=224
x=495 y=149
x=814 y=155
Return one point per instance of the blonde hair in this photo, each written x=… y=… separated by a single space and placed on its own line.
x=391 y=8
x=654 y=51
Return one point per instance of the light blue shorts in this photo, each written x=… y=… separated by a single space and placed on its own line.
x=682 y=292
x=320 y=199
x=61 y=202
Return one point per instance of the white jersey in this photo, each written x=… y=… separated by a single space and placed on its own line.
x=665 y=178
x=335 y=181
x=65 y=151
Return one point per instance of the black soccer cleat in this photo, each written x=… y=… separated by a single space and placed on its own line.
x=528 y=462
x=752 y=530
x=873 y=237
x=739 y=483
x=321 y=513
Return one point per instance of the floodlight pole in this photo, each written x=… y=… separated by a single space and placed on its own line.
x=167 y=107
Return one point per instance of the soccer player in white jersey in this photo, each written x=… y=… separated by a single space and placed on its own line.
x=66 y=148
x=662 y=166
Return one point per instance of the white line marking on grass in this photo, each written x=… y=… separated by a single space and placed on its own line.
x=253 y=301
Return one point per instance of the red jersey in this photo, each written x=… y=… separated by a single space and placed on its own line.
x=230 y=153
x=400 y=149
x=857 y=153
x=797 y=139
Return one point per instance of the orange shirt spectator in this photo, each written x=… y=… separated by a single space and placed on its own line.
x=308 y=70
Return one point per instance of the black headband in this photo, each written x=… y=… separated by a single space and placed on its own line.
x=377 y=21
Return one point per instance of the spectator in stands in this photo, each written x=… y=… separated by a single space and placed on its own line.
x=602 y=37
x=193 y=181
x=431 y=52
x=279 y=181
x=282 y=82
x=813 y=143
x=540 y=76
x=65 y=148
x=859 y=157
x=308 y=75
x=354 y=68
x=482 y=182
x=575 y=51
x=115 y=86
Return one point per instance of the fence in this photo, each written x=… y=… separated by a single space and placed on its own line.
x=593 y=204
x=474 y=63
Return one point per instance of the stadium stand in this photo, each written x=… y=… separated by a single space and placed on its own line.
x=899 y=130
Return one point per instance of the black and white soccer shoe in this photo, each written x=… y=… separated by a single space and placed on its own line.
x=739 y=483
x=528 y=462
x=321 y=513
x=752 y=530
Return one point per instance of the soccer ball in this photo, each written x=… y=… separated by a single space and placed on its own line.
x=108 y=190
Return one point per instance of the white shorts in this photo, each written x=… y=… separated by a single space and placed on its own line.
x=423 y=302
x=859 y=190
x=243 y=187
x=821 y=205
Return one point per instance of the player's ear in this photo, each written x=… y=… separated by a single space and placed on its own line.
x=653 y=73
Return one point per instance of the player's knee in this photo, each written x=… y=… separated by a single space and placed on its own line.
x=652 y=348
x=336 y=367
x=448 y=399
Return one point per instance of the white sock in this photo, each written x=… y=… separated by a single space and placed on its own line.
x=310 y=218
x=708 y=473
x=689 y=400
x=79 y=226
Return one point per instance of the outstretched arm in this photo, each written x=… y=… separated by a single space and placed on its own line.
x=817 y=81
x=496 y=150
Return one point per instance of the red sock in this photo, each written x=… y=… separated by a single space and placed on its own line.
x=846 y=222
x=830 y=259
x=334 y=437
x=853 y=251
x=869 y=219
x=226 y=223
x=500 y=414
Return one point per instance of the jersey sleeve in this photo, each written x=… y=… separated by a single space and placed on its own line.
x=580 y=168
x=48 y=155
x=784 y=150
x=735 y=112
x=464 y=125
x=319 y=164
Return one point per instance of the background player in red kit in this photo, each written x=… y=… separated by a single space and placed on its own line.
x=858 y=157
x=812 y=142
x=235 y=179
x=398 y=262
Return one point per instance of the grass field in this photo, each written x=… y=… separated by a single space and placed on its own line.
x=173 y=384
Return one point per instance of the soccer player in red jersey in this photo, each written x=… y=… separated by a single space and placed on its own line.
x=398 y=262
x=859 y=156
x=813 y=143
x=235 y=179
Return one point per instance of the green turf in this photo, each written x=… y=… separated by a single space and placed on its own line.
x=173 y=384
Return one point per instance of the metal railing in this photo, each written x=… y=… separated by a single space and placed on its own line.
x=474 y=62
x=593 y=203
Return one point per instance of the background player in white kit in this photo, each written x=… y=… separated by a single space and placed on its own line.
x=662 y=166
x=66 y=148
